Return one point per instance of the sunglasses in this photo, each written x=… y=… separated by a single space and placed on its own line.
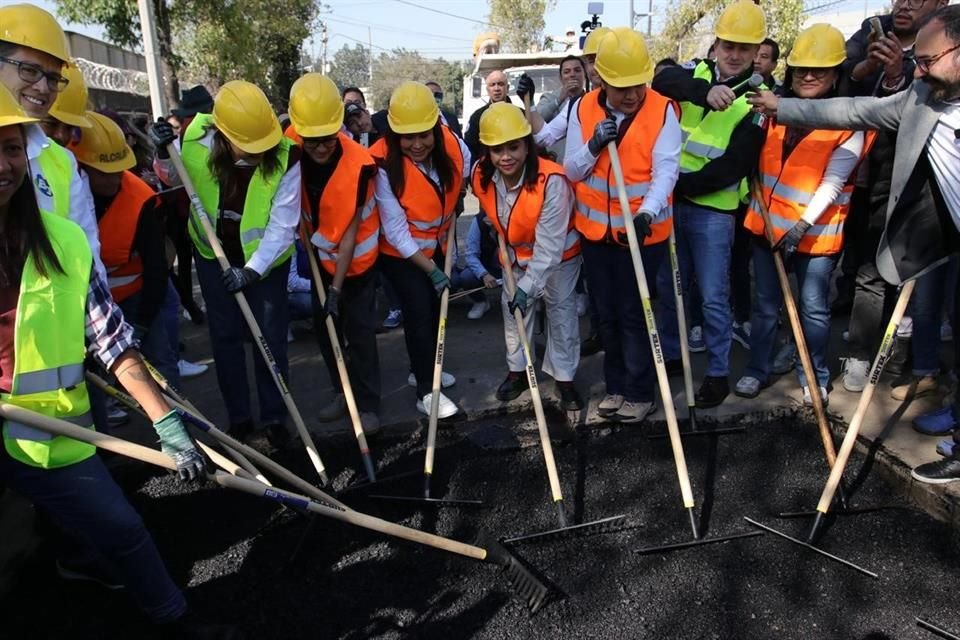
x=32 y=73
x=313 y=143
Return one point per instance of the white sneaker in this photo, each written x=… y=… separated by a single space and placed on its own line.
x=290 y=337
x=189 y=369
x=695 y=341
x=855 y=374
x=846 y=336
x=581 y=305
x=946 y=331
x=610 y=404
x=446 y=380
x=447 y=406
x=808 y=400
x=478 y=310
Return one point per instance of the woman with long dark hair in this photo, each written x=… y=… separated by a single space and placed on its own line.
x=422 y=173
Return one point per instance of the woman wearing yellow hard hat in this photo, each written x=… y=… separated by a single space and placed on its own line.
x=529 y=203
x=69 y=110
x=247 y=175
x=59 y=306
x=423 y=170
x=806 y=181
x=344 y=230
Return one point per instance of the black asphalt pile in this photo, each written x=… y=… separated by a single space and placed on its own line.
x=237 y=554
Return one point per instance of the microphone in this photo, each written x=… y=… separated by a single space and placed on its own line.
x=750 y=84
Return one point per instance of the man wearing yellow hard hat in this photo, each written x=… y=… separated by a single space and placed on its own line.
x=722 y=140
x=643 y=124
x=33 y=57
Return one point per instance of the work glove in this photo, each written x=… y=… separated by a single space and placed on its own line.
x=440 y=281
x=525 y=87
x=788 y=243
x=641 y=223
x=603 y=134
x=236 y=278
x=161 y=134
x=176 y=443
x=519 y=302
x=331 y=307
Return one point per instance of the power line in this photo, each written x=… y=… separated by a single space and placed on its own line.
x=452 y=15
x=381 y=27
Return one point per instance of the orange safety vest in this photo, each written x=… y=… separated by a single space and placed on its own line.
x=336 y=210
x=429 y=210
x=523 y=216
x=789 y=185
x=118 y=228
x=598 y=215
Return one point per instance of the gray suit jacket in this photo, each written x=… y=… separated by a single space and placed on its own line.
x=914 y=115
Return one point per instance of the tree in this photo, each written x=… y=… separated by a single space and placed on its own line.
x=392 y=68
x=519 y=23
x=351 y=66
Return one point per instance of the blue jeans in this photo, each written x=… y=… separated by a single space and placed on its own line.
x=704 y=241
x=813 y=276
x=85 y=503
x=171 y=317
x=926 y=310
x=228 y=332
x=627 y=359
x=156 y=345
x=299 y=305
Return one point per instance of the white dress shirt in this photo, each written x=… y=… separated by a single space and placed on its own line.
x=943 y=149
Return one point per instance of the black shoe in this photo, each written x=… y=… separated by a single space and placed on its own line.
x=240 y=431
x=674 y=368
x=278 y=436
x=190 y=626
x=939 y=472
x=712 y=392
x=511 y=388
x=570 y=399
x=591 y=345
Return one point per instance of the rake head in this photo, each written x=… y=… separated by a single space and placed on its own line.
x=530 y=588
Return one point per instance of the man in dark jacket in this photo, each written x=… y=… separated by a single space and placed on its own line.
x=497 y=90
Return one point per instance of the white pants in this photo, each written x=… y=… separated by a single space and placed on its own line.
x=563 y=325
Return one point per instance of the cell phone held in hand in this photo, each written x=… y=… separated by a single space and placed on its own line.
x=876 y=29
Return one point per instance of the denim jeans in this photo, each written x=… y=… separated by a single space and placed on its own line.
x=228 y=332
x=926 y=311
x=88 y=507
x=155 y=345
x=299 y=305
x=171 y=316
x=465 y=279
x=813 y=276
x=704 y=242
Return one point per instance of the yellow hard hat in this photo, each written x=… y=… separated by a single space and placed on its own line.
x=30 y=26
x=242 y=112
x=622 y=58
x=103 y=146
x=503 y=122
x=412 y=108
x=593 y=39
x=819 y=45
x=316 y=108
x=742 y=22
x=70 y=106
x=10 y=110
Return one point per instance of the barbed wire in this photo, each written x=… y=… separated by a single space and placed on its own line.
x=105 y=77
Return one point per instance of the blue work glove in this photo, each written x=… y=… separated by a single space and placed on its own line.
x=519 y=302
x=236 y=278
x=176 y=443
x=791 y=239
x=603 y=134
x=332 y=306
x=440 y=281
x=161 y=134
x=641 y=223
x=525 y=87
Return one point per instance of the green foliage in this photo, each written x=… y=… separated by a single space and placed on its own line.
x=350 y=66
x=519 y=23
x=392 y=68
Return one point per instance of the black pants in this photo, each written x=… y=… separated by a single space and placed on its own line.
x=873 y=298
x=421 y=315
x=183 y=278
x=357 y=331
x=740 y=270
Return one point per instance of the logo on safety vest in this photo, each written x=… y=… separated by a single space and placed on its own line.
x=44 y=186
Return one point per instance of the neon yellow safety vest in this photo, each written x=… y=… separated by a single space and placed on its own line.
x=256 y=207
x=49 y=348
x=706 y=137
x=56 y=171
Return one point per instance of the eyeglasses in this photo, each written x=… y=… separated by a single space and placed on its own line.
x=32 y=73
x=313 y=143
x=438 y=96
x=817 y=72
x=924 y=64
x=911 y=4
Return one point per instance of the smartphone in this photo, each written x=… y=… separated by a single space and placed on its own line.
x=876 y=29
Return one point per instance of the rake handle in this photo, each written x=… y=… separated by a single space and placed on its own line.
x=247 y=313
x=662 y=378
x=682 y=328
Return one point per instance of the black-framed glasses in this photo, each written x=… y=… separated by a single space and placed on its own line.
x=818 y=73
x=911 y=4
x=438 y=96
x=313 y=143
x=32 y=73
x=924 y=64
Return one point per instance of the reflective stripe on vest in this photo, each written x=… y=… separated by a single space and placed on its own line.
x=429 y=211
x=597 y=211
x=259 y=199
x=706 y=136
x=56 y=172
x=118 y=230
x=49 y=349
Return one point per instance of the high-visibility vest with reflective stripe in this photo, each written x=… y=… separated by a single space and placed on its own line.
x=597 y=213
x=521 y=232
x=789 y=185
x=706 y=136
x=429 y=210
x=49 y=349
x=118 y=228
x=337 y=209
x=256 y=207
x=56 y=170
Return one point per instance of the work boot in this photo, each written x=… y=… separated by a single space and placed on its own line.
x=511 y=388
x=335 y=410
x=240 y=431
x=570 y=399
x=712 y=392
x=278 y=436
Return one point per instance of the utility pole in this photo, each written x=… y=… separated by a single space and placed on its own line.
x=324 y=68
x=648 y=15
x=148 y=28
x=370 y=56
